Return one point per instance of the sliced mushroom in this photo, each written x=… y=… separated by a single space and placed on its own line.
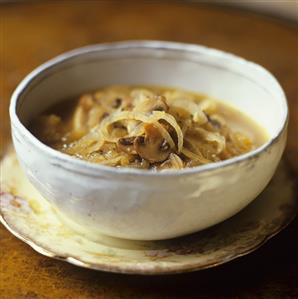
x=117 y=103
x=126 y=144
x=152 y=147
x=216 y=121
x=160 y=104
x=149 y=104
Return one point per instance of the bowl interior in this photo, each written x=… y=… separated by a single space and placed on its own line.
x=245 y=85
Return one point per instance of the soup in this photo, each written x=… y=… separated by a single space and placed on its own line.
x=147 y=127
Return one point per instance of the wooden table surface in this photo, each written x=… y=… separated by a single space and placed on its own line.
x=33 y=32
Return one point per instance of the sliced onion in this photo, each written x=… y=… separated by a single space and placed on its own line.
x=194 y=156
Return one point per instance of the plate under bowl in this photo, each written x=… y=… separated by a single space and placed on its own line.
x=26 y=214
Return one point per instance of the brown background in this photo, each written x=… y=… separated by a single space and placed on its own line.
x=31 y=33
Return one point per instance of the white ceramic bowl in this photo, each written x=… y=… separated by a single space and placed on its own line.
x=140 y=204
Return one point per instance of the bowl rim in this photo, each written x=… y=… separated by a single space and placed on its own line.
x=89 y=168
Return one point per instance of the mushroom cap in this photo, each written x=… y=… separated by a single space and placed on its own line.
x=126 y=144
x=152 y=147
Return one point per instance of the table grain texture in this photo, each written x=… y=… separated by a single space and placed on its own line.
x=33 y=32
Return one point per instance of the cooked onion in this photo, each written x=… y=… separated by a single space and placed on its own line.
x=145 y=128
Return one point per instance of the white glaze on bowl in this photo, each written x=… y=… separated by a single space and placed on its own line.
x=25 y=213
x=138 y=204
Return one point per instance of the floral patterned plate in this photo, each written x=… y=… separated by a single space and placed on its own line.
x=30 y=218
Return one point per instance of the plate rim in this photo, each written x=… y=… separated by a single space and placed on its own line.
x=137 y=269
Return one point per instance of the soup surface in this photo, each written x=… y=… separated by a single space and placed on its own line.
x=147 y=127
